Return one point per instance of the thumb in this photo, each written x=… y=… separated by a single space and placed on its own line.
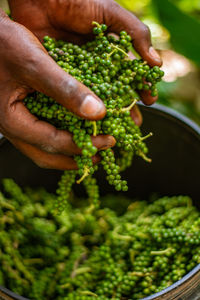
x=48 y=78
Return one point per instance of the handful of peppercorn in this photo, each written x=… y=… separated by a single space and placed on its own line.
x=104 y=66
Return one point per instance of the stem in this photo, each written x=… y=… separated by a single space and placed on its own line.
x=147 y=159
x=96 y=24
x=161 y=252
x=82 y=270
x=90 y=209
x=88 y=293
x=124 y=109
x=133 y=205
x=5 y=219
x=65 y=286
x=110 y=54
x=119 y=49
x=20 y=266
x=95 y=128
x=62 y=230
x=122 y=237
x=76 y=265
x=128 y=108
x=140 y=274
x=14 y=274
x=132 y=255
x=85 y=174
x=146 y=137
x=5 y=204
x=142 y=235
x=103 y=224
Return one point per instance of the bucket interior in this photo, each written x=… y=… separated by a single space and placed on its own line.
x=174 y=149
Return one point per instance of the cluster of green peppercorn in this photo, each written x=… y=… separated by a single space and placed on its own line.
x=103 y=65
x=124 y=250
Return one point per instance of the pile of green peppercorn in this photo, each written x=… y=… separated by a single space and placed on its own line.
x=124 y=250
x=104 y=66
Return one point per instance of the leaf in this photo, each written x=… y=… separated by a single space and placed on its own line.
x=184 y=30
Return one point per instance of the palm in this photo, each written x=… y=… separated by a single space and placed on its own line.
x=71 y=20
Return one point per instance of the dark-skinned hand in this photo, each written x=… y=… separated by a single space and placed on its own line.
x=71 y=20
x=26 y=66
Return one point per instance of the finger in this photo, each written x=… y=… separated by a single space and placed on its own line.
x=19 y=123
x=103 y=142
x=131 y=55
x=38 y=70
x=66 y=90
x=136 y=115
x=145 y=95
x=147 y=98
x=46 y=160
x=43 y=159
x=120 y=19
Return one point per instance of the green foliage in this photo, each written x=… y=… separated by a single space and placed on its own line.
x=183 y=28
x=135 y=5
x=168 y=97
x=192 y=6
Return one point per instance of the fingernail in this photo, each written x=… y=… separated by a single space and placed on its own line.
x=136 y=116
x=138 y=120
x=110 y=143
x=155 y=54
x=92 y=107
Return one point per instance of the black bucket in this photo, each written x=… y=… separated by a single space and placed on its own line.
x=175 y=150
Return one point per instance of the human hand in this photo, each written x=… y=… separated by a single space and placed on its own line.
x=71 y=20
x=25 y=66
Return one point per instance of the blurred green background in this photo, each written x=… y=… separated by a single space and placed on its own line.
x=175 y=29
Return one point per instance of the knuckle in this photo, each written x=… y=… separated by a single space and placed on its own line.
x=51 y=143
x=70 y=85
x=41 y=164
x=145 y=31
x=48 y=148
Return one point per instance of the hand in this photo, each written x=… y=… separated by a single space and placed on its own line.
x=25 y=65
x=71 y=20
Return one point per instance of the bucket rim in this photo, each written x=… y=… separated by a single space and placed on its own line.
x=163 y=109
x=176 y=284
